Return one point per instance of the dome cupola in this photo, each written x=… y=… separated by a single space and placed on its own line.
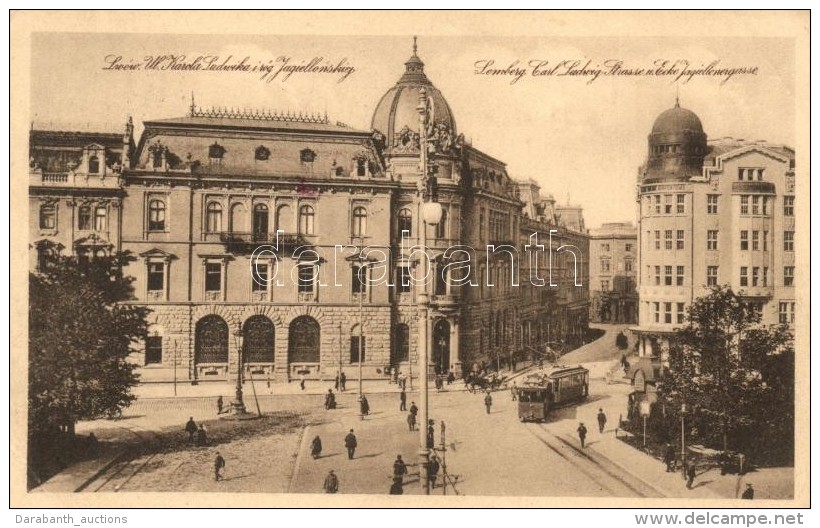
x=677 y=146
x=397 y=118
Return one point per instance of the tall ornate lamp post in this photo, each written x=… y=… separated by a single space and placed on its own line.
x=238 y=403
x=431 y=213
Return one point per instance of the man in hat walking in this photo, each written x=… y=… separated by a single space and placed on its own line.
x=403 y=400
x=601 y=420
x=690 y=473
x=432 y=470
x=191 y=429
x=219 y=465
x=350 y=444
x=582 y=433
x=488 y=401
x=331 y=483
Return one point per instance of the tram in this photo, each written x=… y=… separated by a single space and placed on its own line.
x=551 y=387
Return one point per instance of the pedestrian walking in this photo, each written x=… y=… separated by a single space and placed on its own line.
x=582 y=433
x=331 y=483
x=413 y=409
x=330 y=400
x=397 y=487
x=403 y=400
x=669 y=458
x=451 y=377
x=403 y=380
x=219 y=404
x=201 y=436
x=399 y=468
x=302 y=381
x=336 y=385
x=690 y=473
x=749 y=492
x=191 y=428
x=342 y=382
x=364 y=406
x=514 y=391
x=601 y=420
x=411 y=421
x=431 y=433
x=219 y=465
x=432 y=470
x=350 y=444
x=316 y=447
x=488 y=401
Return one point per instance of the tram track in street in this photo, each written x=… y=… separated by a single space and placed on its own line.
x=116 y=477
x=603 y=472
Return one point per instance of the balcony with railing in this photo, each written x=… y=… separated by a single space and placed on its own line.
x=40 y=178
x=247 y=241
x=753 y=187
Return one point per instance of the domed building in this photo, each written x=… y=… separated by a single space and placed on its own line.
x=710 y=213
x=199 y=194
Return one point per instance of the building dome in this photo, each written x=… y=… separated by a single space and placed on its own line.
x=397 y=117
x=677 y=146
x=676 y=120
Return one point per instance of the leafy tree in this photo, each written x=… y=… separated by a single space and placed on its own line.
x=736 y=375
x=81 y=332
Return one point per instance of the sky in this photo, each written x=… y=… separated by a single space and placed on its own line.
x=582 y=138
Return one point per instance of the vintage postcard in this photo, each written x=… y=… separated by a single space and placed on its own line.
x=410 y=259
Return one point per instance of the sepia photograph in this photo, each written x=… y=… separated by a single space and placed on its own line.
x=521 y=260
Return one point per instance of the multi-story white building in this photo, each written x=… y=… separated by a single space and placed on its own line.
x=717 y=212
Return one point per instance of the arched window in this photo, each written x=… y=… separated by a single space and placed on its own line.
x=156 y=215
x=359 y=221
x=258 y=344
x=306 y=216
x=213 y=221
x=93 y=165
x=303 y=340
x=100 y=219
x=260 y=220
x=211 y=340
x=48 y=217
x=405 y=222
x=401 y=344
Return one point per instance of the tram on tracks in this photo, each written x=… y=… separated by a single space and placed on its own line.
x=549 y=388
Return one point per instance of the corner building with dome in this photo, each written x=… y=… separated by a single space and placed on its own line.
x=196 y=196
x=711 y=212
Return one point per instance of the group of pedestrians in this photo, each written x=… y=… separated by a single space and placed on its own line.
x=197 y=434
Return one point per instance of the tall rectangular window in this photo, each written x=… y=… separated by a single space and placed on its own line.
x=755 y=240
x=403 y=279
x=156 y=276
x=681 y=204
x=711 y=203
x=657 y=311
x=788 y=276
x=679 y=239
x=667 y=243
x=667 y=312
x=84 y=219
x=213 y=277
x=153 y=350
x=604 y=285
x=744 y=240
x=765 y=276
x=764 y=204
x=786 y=312
x=354 y=349
x=667 y=204
x=681 y=312
x=711 y=275
x=788 y=240
x=628 y=265
x=711 y=240
x=788 y=206
x=657 y=204
x=48 y=217
x=259 y=277
x=755 y=205
x=100 y=219
x=744 y=276
x=744 y=204
x=605 y=265
x=657 y=239
x=679 y=276
x=755 y=276
x=657 y=275
x=667 y=275
x=307 y=278
x=358 y=279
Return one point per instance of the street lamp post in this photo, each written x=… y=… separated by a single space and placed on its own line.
x=362 y=276
x=430 y=215
x=683 y=411
x=238 y=403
